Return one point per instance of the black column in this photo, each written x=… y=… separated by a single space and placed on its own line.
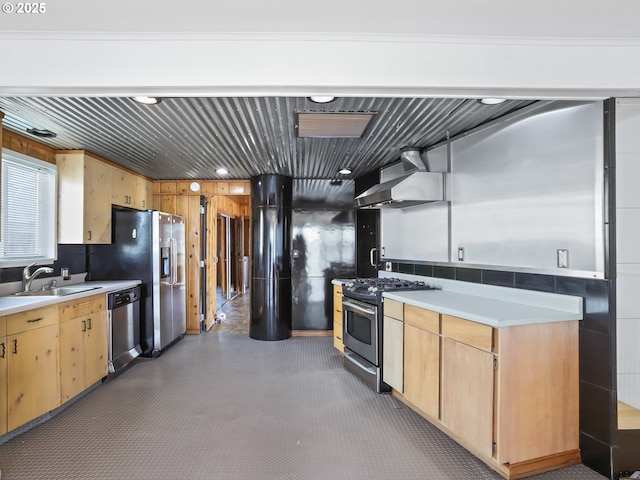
x=271 y=260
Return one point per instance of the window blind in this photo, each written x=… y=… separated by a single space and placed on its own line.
x=28 y=211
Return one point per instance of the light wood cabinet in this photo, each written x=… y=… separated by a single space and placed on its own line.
x=393 y=344
x=509 y=395
x=467 y=394
x=3 y=374
x=422 y=360
x=129 y=190
x=83 y=344
x=121 y=188
x=32 y=365
x=84 y=199
x=337 y=318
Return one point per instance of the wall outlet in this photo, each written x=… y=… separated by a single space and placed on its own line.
x=387 y=266
x=461 y=254
x=563 y=258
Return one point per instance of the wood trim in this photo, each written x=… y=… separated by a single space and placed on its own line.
x=27 y=146
x=193 y=253
x=207 y=187
x=211 y=264
x=103 y=160
x=312 y=333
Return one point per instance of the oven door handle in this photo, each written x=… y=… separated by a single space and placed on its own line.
x=353 y=306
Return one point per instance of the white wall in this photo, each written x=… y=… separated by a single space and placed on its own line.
x=544 y=49
x=420 y=232
x=628 y=249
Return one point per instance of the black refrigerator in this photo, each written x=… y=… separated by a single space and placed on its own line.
x=148 y=246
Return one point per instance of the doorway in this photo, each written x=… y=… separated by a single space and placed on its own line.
x=232 y=273
x=227 y=275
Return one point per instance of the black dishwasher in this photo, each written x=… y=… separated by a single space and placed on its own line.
x=123 y=317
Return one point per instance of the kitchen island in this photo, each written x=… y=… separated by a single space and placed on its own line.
x=495 y=368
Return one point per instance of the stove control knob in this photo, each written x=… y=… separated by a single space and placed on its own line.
x=349 y=284
x=373 y=289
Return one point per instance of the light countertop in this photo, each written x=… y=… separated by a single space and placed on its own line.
x=489 y=311
x=14 y=304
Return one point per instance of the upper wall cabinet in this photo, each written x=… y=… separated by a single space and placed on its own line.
x=129 y=190
x=84 y=199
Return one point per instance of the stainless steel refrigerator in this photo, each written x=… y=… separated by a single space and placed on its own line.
x=149 y=246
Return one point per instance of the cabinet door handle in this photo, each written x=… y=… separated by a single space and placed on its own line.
x=15 y=347
x=34 y=320
x=3 y=350
x=89 y=236
x=89 y=324
x=84 y=325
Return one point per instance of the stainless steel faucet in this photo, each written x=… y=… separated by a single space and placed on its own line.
x=27 y=277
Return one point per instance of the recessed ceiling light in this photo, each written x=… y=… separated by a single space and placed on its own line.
x=492 y=101
x=344 y=171
x=322 y=98
x=222 y=171
x=144 y=100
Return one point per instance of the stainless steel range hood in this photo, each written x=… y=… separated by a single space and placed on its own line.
x=416 y=187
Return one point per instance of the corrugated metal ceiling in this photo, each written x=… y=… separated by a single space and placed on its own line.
x=189 y=138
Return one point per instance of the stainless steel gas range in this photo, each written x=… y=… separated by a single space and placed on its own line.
x=362 y=325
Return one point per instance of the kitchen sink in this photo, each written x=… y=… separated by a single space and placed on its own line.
x=55 y=292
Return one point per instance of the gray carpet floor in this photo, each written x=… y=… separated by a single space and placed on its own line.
x=224 y=406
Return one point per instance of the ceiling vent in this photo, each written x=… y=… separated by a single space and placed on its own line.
x=41 y=132
x=333 y=125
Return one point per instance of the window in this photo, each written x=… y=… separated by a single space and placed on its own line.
x=28 y=210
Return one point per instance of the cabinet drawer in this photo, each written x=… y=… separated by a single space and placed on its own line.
x=393 y=309
x=3 y=326
x=337 y=290
x=81 y=306
x=31 y=319
x=421 y=318
x=465 y=331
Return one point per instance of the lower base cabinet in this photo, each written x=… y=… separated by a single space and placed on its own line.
x=32 y=365
x=83 y=347
x=338 y=341
x=49 y=355
x=509 y=395
x=467 y=394
x=422 y=370
x=393 y=353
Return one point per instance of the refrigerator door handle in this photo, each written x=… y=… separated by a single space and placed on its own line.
x=174 y=261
